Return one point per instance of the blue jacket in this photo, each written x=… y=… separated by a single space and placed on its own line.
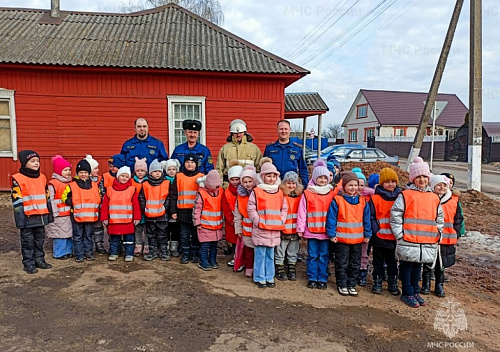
x=149 y=148
x=205 y=163
x=333 y=210
x=288 y=157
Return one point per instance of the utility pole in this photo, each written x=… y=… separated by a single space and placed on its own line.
x=436 y=80
x=475 y=97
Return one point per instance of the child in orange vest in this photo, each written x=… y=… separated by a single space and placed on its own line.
x=98 y=235
x=267 y=208
x=140 y=176
x=208 y=219
x=366 y=193
x=60 y=230
x=82 y=195
x=32 y=210
x=183 y=195
x=229 y=204
x=171 y=169
x=242 y=222
x=154 y=200
x=311 y=220
x=348 y=226
x=289 y=245
x=120 y=212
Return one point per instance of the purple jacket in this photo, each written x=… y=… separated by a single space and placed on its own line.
x=205 y=235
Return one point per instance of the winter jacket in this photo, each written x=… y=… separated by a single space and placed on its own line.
x=121 y=229
x=245 y=152
x=376 y=241
x=205 y=235
x=238 y=217
x=407 y=251
x=262 y=237
x=61 y=227
x=227 y=208
x=142 y=200
x=302 y=215
x=332 y=215
x=448 y=251
x=183 y=215
x=295 y=194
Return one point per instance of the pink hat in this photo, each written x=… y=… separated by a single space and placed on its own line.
x=213 y=180
x=59 y=164
x=320 y=169
x=268 y=168
x=249 y=171
x=140 y=164
x=419 y=168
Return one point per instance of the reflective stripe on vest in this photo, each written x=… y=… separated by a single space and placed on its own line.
x=121 y=209
x=419 y=219
x=108 y=180
x=34 y=193
x=246 y=223
x=59 y=187
x=317 y=207
x=450 y=207
x=186 y=190
x=231 y=199
x=85 y=202
x=383 y=216
x=211 y=212
x=269 y=209
x=155 y=198
x=291 y=216
x=350 y=229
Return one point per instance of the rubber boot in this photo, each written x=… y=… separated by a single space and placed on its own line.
x=152 y=254
x=377 y=284
x=203 y=262
x=185 y=255
x=292 y=273
x=174 y=249
x=280 y=272
x=426 y=281
x=196 y=254
x=100 y=249
x=363 y=273
x=439 y=285
x=164 y=253
x=392 y=285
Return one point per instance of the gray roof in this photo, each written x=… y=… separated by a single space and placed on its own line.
x=304 y=102
x=492 y=128
x=167 y=37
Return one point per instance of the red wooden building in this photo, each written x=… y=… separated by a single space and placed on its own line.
x=73 y=83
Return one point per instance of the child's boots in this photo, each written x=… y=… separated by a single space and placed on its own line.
x=164 y=253
x=292 y=273
x=439 y=284
x=377 y=284
x=174 y=249
x=363 y=273
x=280 y=272
x=392 y=285
x=426 y=281
x=152 y=254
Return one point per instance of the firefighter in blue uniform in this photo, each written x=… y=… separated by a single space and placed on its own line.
x=287 y=155
x=142 y=145
x=192 y=130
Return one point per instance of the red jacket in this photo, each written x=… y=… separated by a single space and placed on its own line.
x=120 y=229
x=229 y=216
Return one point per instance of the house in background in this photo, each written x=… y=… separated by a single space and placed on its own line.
x=390 y=119
x=73 y=83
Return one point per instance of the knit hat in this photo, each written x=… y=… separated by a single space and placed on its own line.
x=117 y=160
x=359 y=173
x=59 y=164
x=93 y=163
x=234 y=169
x=419 y=168
x=387 y=174
x=123 y=170
x=348 y=176
x=291 y=176
x=268 y=168
x=155 y=166
x=213 y=180
x=249 y=171
x=330 y=166
x=450 y=178
x=437 y=179
x=25 y=155
x=320 y=170
x=172 y=162
x=373 y=180
x=192 y=157
x=140 y=164
x=83 y=165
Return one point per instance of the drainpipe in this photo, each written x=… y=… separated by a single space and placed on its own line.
x=54 y=9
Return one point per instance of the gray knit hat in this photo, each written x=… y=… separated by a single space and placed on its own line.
x=291 y=176
x=155 y=166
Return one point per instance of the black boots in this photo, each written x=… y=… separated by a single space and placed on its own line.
x=99 y=247
x=164 y=253
x=42 y=264
x=377 y=284
x=280 y=272
x=392 y=285
x=152 y=253
x=292 y=273
x=439 y=284
x=426 y=281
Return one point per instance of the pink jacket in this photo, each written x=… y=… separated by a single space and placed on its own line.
x=264 y=237
x=205 y=235
x=302 y=222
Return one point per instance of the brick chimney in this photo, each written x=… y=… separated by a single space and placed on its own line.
x=54 y=9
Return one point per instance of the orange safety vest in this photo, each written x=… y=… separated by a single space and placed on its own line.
x=231 y=199
x=350 y=229
x=419 y=219
x=291 y=215
x=211 y=213
x=246 y=223
x=108 y=180
x=62 y=208
x=317 y=207
x=269 y=209
x=383 y=216
x=86 y=202
x=186 y=190
x=121 y=210
x=155 y=198
x=450 y=236
x=34 y=194
x=137 y=185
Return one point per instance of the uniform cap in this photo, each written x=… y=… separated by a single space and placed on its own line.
x=193 y=125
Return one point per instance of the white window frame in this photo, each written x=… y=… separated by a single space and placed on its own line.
x=183 y=99
x=6 y=94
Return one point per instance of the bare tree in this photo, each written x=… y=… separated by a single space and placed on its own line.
x=333 y=131
x=296 y=127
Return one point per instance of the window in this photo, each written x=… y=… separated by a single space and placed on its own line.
x=371 y=154
x=369 y=132
x=353 y=135
x=356 y=154
x=182 y=108
x=362 y=111
x=399 y=131
x=8 y=142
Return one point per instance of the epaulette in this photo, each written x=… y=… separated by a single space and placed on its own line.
x=297 y=144
x=269 y=144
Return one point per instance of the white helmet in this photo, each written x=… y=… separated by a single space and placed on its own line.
x=237 y=126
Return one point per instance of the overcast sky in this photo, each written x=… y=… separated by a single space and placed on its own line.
x=350 y=45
